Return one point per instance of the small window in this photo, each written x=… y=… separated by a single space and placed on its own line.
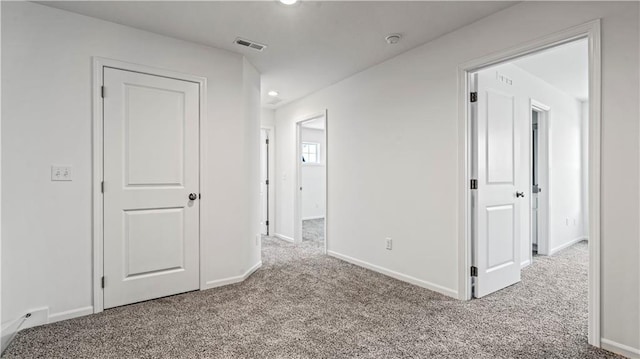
x=310 y=152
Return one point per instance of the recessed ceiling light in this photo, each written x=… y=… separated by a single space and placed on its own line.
x=273 y=93
x=393 y=38
x=288 y=2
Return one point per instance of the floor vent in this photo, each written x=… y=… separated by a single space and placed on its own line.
x=250 y=44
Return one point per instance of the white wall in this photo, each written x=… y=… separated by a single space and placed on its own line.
x=1 y=332
x=565 y=187
x=313 y=177
x=252 y=115
x=47 y=81
x=267 y=117
x=399 y=178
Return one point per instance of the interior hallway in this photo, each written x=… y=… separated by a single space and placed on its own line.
x=302 y=304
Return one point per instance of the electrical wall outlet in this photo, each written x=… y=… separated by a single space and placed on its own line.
x=389 y=242
x=61 y=173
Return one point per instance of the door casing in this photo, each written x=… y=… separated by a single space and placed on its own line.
x=98 y=163
x=591 y=31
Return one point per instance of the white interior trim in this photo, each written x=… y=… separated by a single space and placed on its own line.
x=591 y=31
x=621 y=349
x=566 y=245
x=393 y=274
x=97 y=146
x=325 y=155
x=283 y=237
x=37 y=316
x=231 y=280
x=70 y=314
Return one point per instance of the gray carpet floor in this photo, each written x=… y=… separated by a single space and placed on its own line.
x=313 y=230
x=302 y=304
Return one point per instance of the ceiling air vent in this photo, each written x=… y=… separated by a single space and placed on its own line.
x=250 y=44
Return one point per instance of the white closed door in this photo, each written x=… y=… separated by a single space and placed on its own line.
x=151 y=156
x=497 y=206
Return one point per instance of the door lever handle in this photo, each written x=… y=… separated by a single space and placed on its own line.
x=519 y=194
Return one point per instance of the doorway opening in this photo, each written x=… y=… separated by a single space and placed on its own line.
x=311 y=165
x=532 y=167
x=540 y=190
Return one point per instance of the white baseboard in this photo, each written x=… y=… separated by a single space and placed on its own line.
x=38 y=316
x=566 y=245
x=283 y=237
x=525 y=263
x=70 y=314
x=231 y=280
x=312 y=217
x=403 y=277
x=621 y=349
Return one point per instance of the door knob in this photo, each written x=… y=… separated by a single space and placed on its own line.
x=193 y=196
x=519 y=194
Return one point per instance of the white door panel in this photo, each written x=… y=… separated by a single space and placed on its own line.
x=151 y=164
x=497 y=210
x=499 y=137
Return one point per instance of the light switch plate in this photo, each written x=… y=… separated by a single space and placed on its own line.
x=61 y=173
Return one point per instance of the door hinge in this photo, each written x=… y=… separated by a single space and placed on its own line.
x=266 y=223
x=266 y=182
x=102 y=91
x=102 y=282
x=102 y=186
x=474 y=184
x=473 y=97
x=267 y=141
x=474 y=271
x=199 y=195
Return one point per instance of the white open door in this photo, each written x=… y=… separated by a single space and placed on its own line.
x=151 y=186
x=496 y=248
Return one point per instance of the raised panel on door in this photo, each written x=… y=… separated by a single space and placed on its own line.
x=161 y=229
x=496 y=212
x=154 y=136
x=151 y=165
x=500 y=138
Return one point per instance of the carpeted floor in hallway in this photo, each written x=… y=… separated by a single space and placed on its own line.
x=313 y=230
x=302 y=304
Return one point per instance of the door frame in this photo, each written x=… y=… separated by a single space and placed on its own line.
x=544 y=247
x=297 y=205
x=271 y=188
x=591 y=31
x=99 y=63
